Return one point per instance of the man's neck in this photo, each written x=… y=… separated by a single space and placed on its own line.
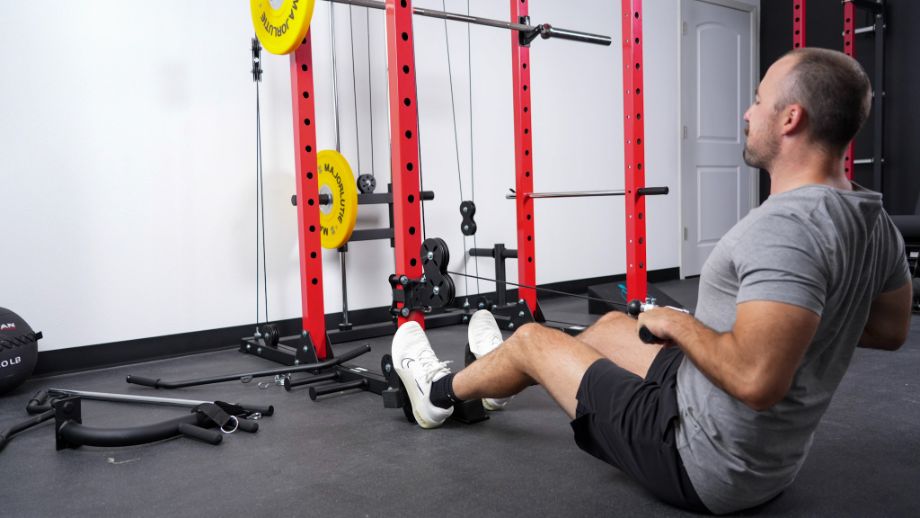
x=812 y=169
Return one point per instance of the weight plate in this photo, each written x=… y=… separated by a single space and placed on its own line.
x=337 y=218
x=281 y=29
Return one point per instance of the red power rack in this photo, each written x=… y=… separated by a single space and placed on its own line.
x=634 y=140
x=849 y=48
x=407 y=221
x=798 y=24
x=407 y=231
x=523 y=158
x=311 y=258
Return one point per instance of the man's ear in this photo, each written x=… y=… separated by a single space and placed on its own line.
x=793 y=119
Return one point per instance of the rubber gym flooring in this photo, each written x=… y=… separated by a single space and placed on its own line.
x=346 y=455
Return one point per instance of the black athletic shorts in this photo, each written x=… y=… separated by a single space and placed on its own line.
x=630 y=423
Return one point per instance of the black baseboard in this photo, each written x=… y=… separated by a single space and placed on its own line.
x=143 y=349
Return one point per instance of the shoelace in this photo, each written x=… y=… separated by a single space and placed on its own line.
x=431 y=366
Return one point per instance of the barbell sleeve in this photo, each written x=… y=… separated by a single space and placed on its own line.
x=547 y=31
x=653 y=191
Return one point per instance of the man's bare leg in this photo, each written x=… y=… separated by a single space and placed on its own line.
x=615 y=336
x=532 y=354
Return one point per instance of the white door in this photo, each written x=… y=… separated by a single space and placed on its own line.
x=718 y=66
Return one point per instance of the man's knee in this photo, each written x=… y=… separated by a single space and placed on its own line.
x=530 y=332
x=613 y=316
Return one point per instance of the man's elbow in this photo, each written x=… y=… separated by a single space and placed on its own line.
x=890 y=341
x=761 y=402
x=763 y=396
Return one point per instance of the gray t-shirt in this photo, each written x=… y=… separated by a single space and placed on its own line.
x=826 y=250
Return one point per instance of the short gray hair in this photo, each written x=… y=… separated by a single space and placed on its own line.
x=835 y=92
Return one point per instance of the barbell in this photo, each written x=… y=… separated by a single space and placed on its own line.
x=282 y=29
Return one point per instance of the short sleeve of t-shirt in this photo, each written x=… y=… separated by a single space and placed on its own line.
x=898 y=271
x=781 y=262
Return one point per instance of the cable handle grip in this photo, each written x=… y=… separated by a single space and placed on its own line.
x=202 y=434
x=247 y=425
x=636 y=306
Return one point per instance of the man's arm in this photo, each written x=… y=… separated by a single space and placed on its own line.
x=889 y=320
x=756 y=361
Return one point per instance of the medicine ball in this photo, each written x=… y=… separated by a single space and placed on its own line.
x=18 y=350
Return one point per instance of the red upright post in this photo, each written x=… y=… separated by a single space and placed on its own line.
x=798 y=24
x=311 y=259
x=634 y=135
x=407 y=222
x=849 y=48
x=523 y=159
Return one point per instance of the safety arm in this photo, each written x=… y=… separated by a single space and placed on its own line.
x=756 y=361
x=889 y=320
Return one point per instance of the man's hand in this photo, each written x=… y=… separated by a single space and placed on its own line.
x=662 y=322
x=756 y=361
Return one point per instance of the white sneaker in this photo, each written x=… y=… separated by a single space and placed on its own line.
x=484 y=336
x=417 y=367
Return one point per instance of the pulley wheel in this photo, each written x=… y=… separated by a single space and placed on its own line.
x=367 y=183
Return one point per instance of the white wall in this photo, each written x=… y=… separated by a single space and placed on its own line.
x=127 y=184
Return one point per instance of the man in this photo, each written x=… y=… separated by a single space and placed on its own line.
x=720 y=416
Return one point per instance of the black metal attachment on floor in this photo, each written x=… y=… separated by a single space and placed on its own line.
x=65 y=407
x=245 y=377
x=395 y=396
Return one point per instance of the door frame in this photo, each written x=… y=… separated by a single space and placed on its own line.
x=754 y=11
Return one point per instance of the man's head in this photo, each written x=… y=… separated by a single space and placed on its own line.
x=819 y=94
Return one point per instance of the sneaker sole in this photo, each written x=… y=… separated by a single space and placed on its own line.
x=491 y=406
x=414 y=396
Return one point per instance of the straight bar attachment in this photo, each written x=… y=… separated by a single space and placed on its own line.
x=129 y=398
x=644 y=191
x=247 y=376
x=545 y=31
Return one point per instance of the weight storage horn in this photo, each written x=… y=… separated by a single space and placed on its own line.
x=18 y=350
